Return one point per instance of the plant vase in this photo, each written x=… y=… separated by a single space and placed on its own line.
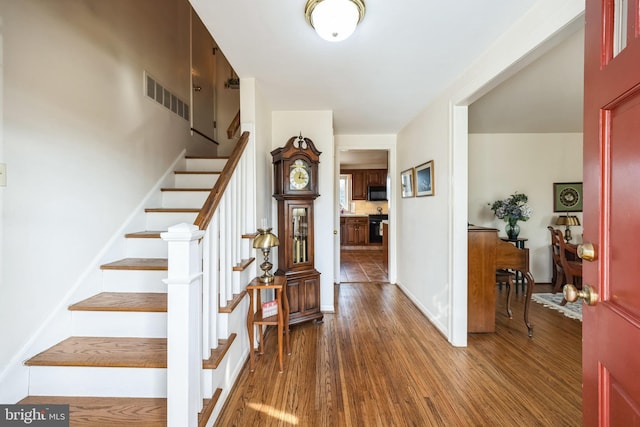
x=512 y=229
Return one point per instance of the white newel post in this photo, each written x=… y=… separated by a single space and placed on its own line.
x=184 y=325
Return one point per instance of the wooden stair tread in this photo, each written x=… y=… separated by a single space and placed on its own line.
x=108 y=411
x=144 y=235
x=217 y=354
x=104 y=352
x=173 y=210
x=233 y=303
x=216 y=172
x=208 y=157
x=185 y=189
x=137 y=264
x=243 y=264
x=119 y=411
x=123 y=301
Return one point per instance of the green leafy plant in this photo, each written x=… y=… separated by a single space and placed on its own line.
x=513 y=208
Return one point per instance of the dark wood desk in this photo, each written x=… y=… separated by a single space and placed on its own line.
x=486 y=254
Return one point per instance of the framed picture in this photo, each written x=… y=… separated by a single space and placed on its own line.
x=424 y=179
x=406 y=181
x=567 y=197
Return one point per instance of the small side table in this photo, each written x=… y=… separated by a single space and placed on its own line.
x=254 y=317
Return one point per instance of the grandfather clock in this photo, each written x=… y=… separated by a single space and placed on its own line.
x=295 y=171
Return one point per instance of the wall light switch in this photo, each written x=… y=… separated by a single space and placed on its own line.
x=3 y=174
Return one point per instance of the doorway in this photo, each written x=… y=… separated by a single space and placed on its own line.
x=363 y=206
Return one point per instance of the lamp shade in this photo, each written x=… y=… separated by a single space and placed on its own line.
x=266 y=239
x=334 y=20
x=569 y=220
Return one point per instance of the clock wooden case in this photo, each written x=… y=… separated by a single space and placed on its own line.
x=295 y=171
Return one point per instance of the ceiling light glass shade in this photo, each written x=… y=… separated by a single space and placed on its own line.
x=334 y=20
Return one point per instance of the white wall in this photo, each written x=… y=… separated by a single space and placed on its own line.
x=256 y=114
x=83 y=146
x=432 y=234
x=501 y=164
x=317 y=126
x=227 y=105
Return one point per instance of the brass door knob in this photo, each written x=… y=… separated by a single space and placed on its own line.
x=587 y=251
x=588 y=294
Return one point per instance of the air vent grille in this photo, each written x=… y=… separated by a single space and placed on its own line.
x=163 y=96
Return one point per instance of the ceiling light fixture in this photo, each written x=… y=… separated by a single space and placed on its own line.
x=334 y=20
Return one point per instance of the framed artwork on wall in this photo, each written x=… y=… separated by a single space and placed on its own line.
x=424 y=179
x=406 y=181
x=567 y=197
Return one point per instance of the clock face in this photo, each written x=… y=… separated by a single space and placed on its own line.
x=299 y=175
x=569 y=197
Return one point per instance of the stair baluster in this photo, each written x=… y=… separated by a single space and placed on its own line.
x=212 y=262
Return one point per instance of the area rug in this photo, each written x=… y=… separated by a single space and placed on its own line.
x=570 y=309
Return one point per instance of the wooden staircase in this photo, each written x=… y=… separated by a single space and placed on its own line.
x=112 y=369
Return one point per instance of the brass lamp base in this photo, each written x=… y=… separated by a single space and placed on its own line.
x=266 y=266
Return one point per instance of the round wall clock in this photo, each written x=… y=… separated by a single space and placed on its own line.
x=569 y=197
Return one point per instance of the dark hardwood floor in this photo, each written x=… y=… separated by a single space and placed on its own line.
x=362 y=266
x=377 y=361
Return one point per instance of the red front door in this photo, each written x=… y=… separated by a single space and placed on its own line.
x=611 y=328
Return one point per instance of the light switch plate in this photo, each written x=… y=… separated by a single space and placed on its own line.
x=3 y=174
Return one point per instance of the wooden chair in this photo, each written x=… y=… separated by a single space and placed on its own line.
x=571 y=265
x=558 y=279
x=508 y=257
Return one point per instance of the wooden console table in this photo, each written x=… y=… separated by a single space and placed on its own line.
x=255 y=318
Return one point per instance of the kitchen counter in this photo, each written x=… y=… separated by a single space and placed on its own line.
x=353 y=215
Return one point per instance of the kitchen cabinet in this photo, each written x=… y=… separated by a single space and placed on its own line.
x=358 y=185
x=376 y=177
x=361 y=179
x=356 y=231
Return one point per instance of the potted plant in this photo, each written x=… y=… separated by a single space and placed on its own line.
x=512 y=209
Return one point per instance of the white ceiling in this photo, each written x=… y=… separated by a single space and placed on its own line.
x=544 y=97
x=402 y=55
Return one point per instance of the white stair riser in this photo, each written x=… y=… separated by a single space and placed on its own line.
x=119 y=324
x=96 y=381
x=147 y=248
x=205 y=164
x=235 y=321
x=164 y=220
x=134 y=280
x=184 y=199
x=246 y=275
x=213 y=379
x=196 y=180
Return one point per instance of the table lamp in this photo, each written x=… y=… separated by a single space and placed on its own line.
x=567 y=221
x=265 y=240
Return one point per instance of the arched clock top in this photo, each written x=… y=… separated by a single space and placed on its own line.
x=297 y=145
x=295 y=168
